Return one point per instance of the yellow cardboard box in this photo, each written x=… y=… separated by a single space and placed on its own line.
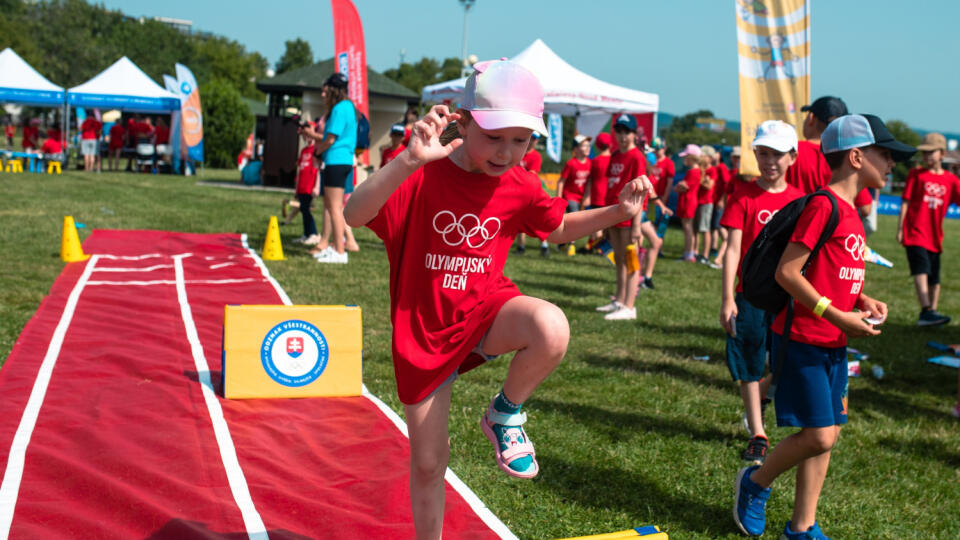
x=291 y=351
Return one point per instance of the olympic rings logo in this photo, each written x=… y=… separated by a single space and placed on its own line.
x=855 y=245
x=935 y=190
x=765 y=216
x=456 y=231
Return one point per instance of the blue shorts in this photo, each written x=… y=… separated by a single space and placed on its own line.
x=716 y=217
x=812 y=386
x=573 y=206
x=747 y=353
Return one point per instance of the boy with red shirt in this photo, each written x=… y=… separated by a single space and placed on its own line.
x=9 y=130
x=626 y=164
x=812 y=389
x=575 y=174
x=31 y=135
x=666 y=171
x=747 y=326
x=687 y=198
x=307 y=189
x=532 y=161
x=89 y=141
x=928 y=193
x=388 y=152
x=719 y=204
x=705 y=209
x=115 y=148
x=597 y=192
x=573 y=179
x=810 y=172
x=448 y=216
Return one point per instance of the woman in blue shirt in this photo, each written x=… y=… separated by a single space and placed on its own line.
x=335 y=148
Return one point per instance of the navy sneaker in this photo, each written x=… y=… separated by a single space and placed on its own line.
x=813 y=533
x=929 y=317
x=750 y=504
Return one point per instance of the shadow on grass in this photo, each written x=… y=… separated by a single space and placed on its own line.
x=923 y=448
x=619 y=426
x=890 y=404
x=632 y=493
x=677 y=371
x=711 y=331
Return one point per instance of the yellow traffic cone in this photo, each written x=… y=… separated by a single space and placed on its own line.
x=70 y=250
x=272 y=247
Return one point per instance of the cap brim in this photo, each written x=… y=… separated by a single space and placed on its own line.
x=491 y=120
x=778 y=145
x=898 y=150
x=930 y=147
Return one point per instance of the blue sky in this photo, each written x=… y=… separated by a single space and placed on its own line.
x=893 y=58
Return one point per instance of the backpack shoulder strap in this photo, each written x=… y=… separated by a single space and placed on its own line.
x=828 y=229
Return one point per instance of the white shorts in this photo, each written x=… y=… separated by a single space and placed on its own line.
x=88 y=147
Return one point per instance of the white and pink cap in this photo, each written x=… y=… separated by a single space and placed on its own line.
x=503 y=94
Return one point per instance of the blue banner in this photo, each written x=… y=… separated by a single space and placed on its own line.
x=176 y=138
x=889 y=205
x=555 y=136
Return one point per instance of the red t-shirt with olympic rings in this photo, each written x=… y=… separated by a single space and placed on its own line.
x=837 y=271
x=448 y=233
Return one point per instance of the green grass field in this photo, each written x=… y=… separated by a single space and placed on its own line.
x=630 y=430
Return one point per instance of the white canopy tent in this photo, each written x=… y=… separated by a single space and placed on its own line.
x=126 y=87
x=567 y=91
x=20 y=83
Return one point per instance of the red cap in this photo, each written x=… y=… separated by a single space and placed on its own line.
x=604 y=141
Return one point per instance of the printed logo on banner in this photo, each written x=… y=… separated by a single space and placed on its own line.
x=343 y=63
x=294 y=353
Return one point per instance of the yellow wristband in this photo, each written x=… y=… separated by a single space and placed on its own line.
x=821 y=306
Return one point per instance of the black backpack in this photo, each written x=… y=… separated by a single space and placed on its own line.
x=363 y=132
x=759 y=268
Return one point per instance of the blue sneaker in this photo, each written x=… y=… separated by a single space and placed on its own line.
x=750 y=504
x=813 y=533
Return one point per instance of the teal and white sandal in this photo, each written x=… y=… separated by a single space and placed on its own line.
x=512 y=444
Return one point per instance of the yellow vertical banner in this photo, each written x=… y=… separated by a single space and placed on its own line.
x=773 y=51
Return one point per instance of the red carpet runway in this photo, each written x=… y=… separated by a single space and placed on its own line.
x=112 y=424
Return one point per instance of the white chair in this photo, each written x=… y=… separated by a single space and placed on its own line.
x=145 y=156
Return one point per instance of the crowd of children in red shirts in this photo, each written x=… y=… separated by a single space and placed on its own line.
x=91 y=135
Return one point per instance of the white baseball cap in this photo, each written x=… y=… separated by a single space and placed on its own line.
x=776 y=134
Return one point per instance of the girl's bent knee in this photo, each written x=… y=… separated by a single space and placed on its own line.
x=552 y=326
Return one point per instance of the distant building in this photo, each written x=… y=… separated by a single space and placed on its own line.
x=181 y=25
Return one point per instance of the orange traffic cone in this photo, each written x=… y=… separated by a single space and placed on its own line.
x=272 y=246
x=70 y=250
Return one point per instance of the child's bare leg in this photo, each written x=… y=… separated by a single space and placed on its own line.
x=333 y=200
x=811 y=473
x=923 y=292
x=687 y=225
x=325 y=239
x=750 y=393
x=788 y=453
x=650 y=233
x=620 y=263
x=351 y=242
x=934 y=295
x=429 y=455
x=539 y=332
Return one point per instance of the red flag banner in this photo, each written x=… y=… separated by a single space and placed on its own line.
x=350 y=53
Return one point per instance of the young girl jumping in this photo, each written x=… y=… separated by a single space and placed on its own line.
x=448 y=216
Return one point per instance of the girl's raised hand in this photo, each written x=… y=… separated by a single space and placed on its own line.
x=632 y=194
x=425 y=136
